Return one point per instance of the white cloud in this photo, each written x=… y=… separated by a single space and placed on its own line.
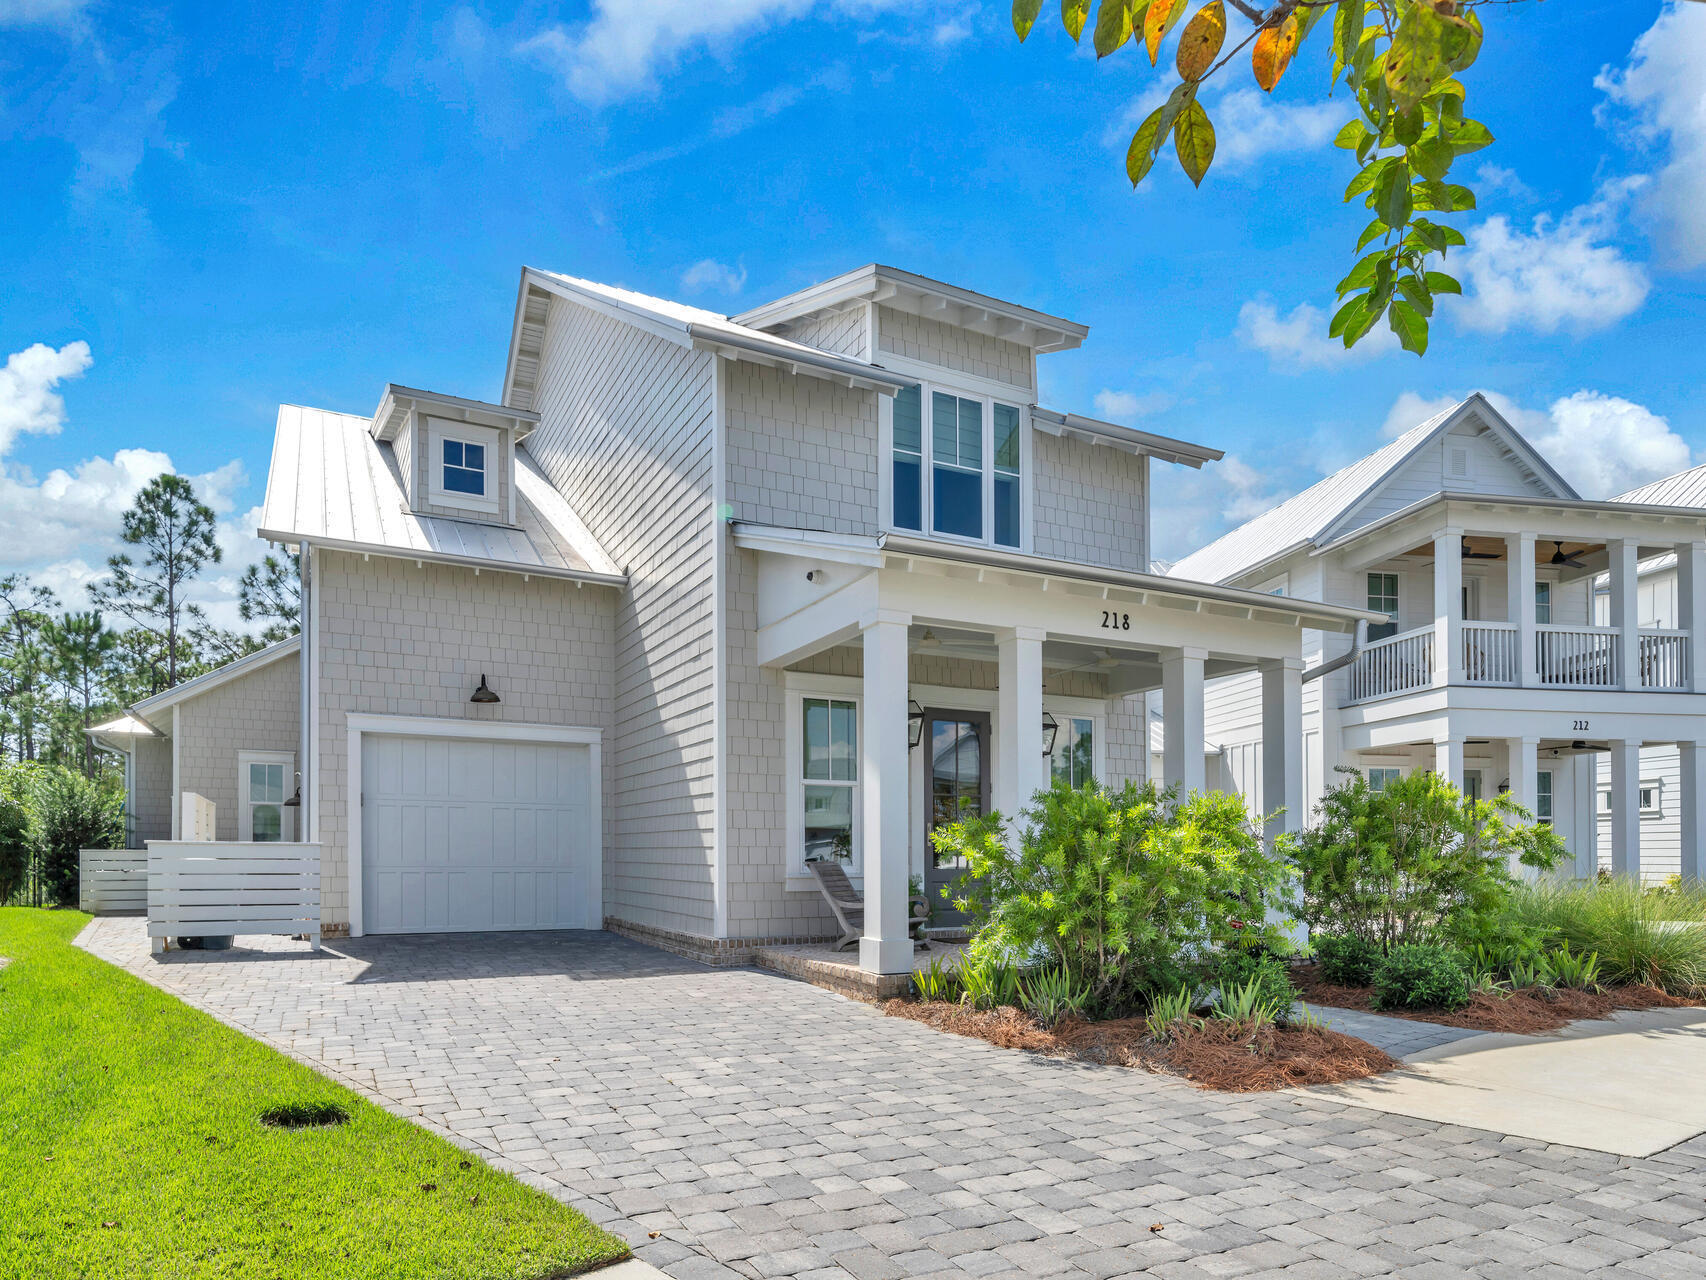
x=710 y=276
x=1248 y=124
x=1663 y=86
x=1298 y=340
x=1123 y=406
x=1194 y=507
x=624 y=45
x=1411 y=409
x=1495 y=177
x=42 y=13
x=28 y=402
x=1564 y=273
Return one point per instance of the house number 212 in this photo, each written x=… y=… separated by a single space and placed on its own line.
x=1112 y=621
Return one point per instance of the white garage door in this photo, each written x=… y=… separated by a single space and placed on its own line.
x=466 y=836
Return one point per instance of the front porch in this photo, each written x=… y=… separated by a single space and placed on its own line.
x=864 y=632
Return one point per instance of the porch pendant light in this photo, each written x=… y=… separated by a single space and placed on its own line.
x=483 y=694
x=914 y=724
x=1051 y=728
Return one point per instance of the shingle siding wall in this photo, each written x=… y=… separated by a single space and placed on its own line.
x=1091 y=504
x=398 y=639
x=801 y=452
x=846 y=331
x=153 y=778
x=260 y=711
x=951 y=347
x=625 y=435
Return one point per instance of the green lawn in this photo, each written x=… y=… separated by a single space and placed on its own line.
x=130 y=1147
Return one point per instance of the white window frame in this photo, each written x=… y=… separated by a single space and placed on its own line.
x=1397 y=613
x=246 y=806
x=1540 y=605
x=840 y=689
x=989 y=394
x=1654 y=810
x=1370 y=770
x=490 y=438
x=1548 y=792
x=1064 y=718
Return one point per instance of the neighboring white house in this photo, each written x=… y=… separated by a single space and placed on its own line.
x=1493 y=667
x=626 y=648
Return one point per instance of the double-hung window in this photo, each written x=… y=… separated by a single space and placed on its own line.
x=957 y=465
x=1543 y=603
x=1543 y=797
x=1380 y=779
x=1073 y=761
x=265 y=780
x=829 y=771
x=1383 y=594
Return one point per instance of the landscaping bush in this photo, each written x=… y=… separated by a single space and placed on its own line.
x=1420 y=976
x=1658 y=939
x=1346 y=959
x=1415 y=862
x=14 y=832
x=1119 y=886
x=1239 y=968
x=71 y=813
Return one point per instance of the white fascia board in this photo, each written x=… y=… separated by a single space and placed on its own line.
x=810 y=544
x=471 y=730
x=222 y=675
x=450 y=408
x=660 y=326
x=1059 y=423
x=439 y=557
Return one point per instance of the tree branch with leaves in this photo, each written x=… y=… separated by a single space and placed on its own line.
x=1399 y=58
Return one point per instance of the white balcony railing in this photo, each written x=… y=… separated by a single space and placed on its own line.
x=1565 y=657
x=1397 y=664
x=1492 y=653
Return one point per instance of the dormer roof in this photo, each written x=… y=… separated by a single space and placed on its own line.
x=398 y=401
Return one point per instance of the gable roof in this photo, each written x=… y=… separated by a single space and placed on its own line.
x=1684 y=489
x=1312 y=517
x=248 y=664
x=332 y=484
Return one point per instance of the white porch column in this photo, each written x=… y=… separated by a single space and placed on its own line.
x=1691 y=609
x=1182 y=720
x=1282 y=742
x=1693 y=820
x=884 y=814
x=1448 y=760
x=1584 y=800
x=1021 y=770
x=1524 y=756
x=1625 y=611
x=1448 y=610
x=1519 y=607
x=1625 y=808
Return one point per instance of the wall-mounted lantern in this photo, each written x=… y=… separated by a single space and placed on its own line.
x=1051 y=728
x=484 y=694
x=914 y=724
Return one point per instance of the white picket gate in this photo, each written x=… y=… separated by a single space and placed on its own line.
x=213 y=888
x=112 y=881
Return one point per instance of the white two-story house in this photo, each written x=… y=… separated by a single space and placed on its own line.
x=1494 y=665
x=701 y=598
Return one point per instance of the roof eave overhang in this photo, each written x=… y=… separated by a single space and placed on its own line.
x=1416 y=510
x=479 y=565
x=233 y=670
x=792 y=359
x=399 y=401
x=1076 y=426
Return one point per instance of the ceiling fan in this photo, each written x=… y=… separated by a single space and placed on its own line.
x=1477 y=555
x=1559 y=558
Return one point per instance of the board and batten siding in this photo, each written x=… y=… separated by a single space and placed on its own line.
x=258 y=711
x=1090 y=504
x=396 y=638
x=625 y=434
x=951 y=347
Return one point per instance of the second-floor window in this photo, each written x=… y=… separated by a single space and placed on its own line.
x=1543 y=603
x=465 y=468
x=1383 y=594
x=957 y=466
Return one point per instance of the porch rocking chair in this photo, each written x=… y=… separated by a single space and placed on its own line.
x=849 y=906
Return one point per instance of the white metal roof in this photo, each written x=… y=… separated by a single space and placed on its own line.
x=1684 y=489
x=1057 y=422
x=126 y=726
x=332 y=484
x=1310 y=516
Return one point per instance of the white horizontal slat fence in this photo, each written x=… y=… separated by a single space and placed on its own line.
x=112 y=881
x=215 y=888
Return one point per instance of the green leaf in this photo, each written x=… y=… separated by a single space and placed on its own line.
x=1407 y=127
x=1347 y=34
x=1372 y=232
x=1113 y=26
x=1351 y=136
x=1432 y=158
x=1462 y=198
x=1345 y=314
x=1362 y=275
x=1410 y=325
x=1359 y=322
x=1367 y=176
x=1439 y=282
x=1392 y=195
x=1466 y=135
x=1146 y=142
x=1193 y=139
x=1425 y=50
x=1025 y=16
x=1416 y=291
x=1073 y=15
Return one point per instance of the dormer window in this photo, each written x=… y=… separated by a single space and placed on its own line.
x=465 y=468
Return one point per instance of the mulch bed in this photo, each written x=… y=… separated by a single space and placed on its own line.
x=1217 y=1055
x=1530 y=1011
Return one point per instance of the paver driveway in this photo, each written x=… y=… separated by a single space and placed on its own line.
x=761 y=1127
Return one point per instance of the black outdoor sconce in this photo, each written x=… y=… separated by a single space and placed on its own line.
x=1051 y=727
x=483 y=694
x=914 y=724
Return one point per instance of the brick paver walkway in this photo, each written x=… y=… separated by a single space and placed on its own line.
x=734 y=1123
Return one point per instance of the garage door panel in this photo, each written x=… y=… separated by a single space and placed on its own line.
x=465 y=835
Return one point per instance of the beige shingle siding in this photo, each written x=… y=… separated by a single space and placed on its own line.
x=403 y=451
x=153 y=777
x=625 y=435
x=800 y=452
x=259 y=711
x=398 y=639
x=1090 y=503
x=951 y=347
x=846 y=331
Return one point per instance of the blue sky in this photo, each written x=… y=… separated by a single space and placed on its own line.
x=238 y=205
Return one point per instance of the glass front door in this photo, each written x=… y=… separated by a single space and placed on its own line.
x=956 y=765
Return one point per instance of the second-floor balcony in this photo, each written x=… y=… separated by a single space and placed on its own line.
x=1493 y=653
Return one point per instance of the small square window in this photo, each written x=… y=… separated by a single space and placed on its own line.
x=465 y=468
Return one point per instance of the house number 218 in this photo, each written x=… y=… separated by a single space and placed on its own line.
x=1115 y=621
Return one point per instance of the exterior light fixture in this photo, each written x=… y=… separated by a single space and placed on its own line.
x=914 y=724
x=1051 y=728
x=483 y=694
x=295 y=801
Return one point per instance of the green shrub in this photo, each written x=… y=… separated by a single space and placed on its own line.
x=71 y=813
x=987 y=981
x=1168 y=1014
x=1052 y=995
x=1239 y=968
x=1415 y=862
x=15 y=842
x=1638 y=936
x=1249 y=1006
x=1420 y=976
x=1571 y=969
x=936 y=981
x=1120 y=886
x=1346 y=959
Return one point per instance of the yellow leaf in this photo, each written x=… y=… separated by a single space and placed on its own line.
x=1272 y=54
x=1193 y=139
x=1158 y=22
x=1200 y=43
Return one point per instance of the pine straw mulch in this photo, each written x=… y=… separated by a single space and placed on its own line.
x=1529 y=1011
x=1213 y=1055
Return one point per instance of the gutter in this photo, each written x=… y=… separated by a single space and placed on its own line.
x=1343 y=660
x=791 y=355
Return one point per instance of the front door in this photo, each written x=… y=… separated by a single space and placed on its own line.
x=956 y=780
